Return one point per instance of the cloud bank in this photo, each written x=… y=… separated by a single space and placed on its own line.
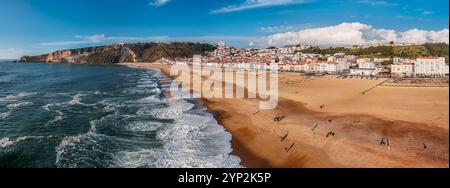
x=253 y=4
x=348 y=34
x=342 y=35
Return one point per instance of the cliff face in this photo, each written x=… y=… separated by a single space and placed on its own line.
x=120 y=53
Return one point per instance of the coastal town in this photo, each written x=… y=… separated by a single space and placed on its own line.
x=290 y=59
x=336 y=110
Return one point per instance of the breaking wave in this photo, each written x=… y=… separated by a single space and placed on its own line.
x=161 y=133
x=120 y=118
x=195 y=140
x=19 y=105
x=4 y=115
x=8 y=142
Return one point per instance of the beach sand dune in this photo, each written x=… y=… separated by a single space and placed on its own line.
x=329 y=123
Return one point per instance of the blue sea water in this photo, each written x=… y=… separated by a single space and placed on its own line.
x=87 y=116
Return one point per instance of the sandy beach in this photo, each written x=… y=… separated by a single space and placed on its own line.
x=386 y=127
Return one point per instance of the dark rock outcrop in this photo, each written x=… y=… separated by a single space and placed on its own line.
x=120 y=53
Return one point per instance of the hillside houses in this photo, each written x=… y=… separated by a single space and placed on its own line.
x=288 y=59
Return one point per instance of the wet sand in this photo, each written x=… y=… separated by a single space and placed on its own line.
x=387 y=127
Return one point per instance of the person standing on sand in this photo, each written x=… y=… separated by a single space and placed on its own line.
x=382 y=143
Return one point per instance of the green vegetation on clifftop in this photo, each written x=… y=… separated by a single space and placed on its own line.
x=409 y=51
x=120 y=53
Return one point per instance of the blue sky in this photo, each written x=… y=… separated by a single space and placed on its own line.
x=40 y=26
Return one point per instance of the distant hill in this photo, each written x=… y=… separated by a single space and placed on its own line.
x=120 y=53
x=410 y=51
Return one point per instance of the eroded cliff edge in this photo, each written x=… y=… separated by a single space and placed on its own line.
x=120 y=53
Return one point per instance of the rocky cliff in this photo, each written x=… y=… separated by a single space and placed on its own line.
x=119 y=53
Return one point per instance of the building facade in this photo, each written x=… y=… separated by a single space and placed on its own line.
x=431 y=67
x=406 y=69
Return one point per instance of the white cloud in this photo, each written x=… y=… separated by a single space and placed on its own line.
x=345 y=34
x=276 y=29
x=422 y=36
x=426 y=12
x=377 y=2
x=158 y=3
x=348 y=34
x=253 y=4
x=286 y=27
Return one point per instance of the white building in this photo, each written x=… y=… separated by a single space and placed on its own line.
x=398 y=60
x=332 y=67
x=405 y=69
x=362 y=60
x=331 y=58
x=366 y=65
x=197 y=60
x=365 y=68
x=431 y=66
x=302 y=67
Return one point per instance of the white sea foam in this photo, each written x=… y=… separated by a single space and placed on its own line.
x=151 y=99
x=71 y=142
x=144 y=85
x=60 y=115
x=190 y=140
x=57 y=118
x=142 y=126
x=8 y=142
x=76 y=99
x=110 y=108
x=135 y=159
x=19 y=105
x=4 y=115
x=194 y=141
x=176 y=109
x=47 y=107
x=20 y=95
x=132 y=91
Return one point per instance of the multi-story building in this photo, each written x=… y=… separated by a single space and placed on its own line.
x=365 y=68
x=332 y=67
x=197 y=60
x=404 y=69
x=431 y=67
x=398 y=60
x=367 y=65
x=362 y=60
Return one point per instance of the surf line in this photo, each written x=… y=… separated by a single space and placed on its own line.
x=189 y=178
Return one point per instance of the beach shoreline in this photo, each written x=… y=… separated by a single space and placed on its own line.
x=256 y=139
x=248 y=158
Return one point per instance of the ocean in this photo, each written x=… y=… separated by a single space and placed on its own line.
x=97 y=116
